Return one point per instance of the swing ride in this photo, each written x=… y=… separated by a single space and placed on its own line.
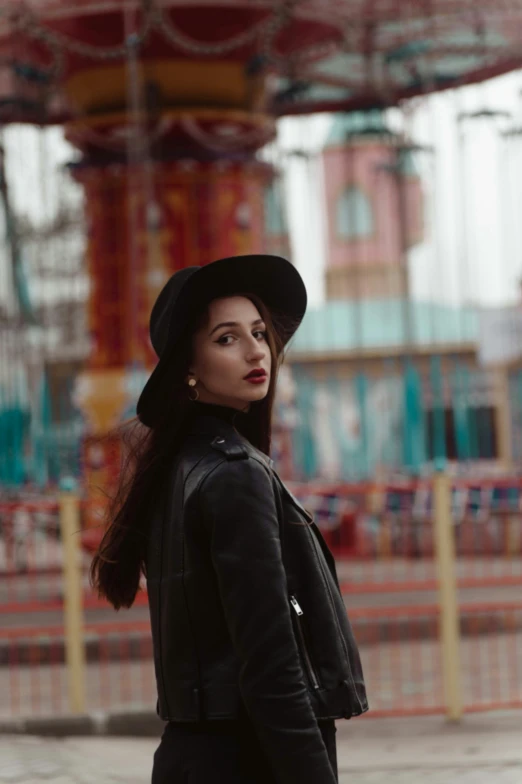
x=168 y=103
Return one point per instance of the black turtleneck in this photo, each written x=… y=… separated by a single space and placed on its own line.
x=227 y=413
x=238 y=419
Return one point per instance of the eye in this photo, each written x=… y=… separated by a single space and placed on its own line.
x=261 y=332
x=222 y=339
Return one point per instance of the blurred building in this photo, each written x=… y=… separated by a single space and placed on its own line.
x=385 y=384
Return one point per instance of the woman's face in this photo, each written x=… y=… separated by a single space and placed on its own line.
x=230 y=345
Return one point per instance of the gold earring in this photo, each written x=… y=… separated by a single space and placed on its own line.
x=192 y=383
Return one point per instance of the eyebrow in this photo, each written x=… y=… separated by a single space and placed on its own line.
x=233 y=324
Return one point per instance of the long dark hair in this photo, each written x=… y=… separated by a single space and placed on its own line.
x=119 y=562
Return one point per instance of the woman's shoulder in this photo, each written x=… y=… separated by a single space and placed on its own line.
x=231 y=482
x=224 y=459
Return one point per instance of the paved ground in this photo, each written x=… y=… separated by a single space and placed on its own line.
x=483 y=749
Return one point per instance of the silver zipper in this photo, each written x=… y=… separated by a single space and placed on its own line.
x=295 y=605
x=311 y=671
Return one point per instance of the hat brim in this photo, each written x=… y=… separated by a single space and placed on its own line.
x=272 y=278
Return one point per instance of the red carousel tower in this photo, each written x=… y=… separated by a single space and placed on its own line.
x=168 y=101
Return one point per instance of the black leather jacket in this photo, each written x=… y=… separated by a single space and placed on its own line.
x=234 y=620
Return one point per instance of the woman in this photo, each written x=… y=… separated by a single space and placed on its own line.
x=254 y=655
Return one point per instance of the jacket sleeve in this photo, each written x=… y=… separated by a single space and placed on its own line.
x=239 y=513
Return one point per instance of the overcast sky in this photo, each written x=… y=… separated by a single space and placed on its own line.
x=484 y=270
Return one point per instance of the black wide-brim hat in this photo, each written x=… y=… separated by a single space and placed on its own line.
x=272 y=278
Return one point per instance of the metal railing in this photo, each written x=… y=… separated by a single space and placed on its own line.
x=431 y=584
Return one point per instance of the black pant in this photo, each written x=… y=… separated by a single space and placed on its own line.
x=220 y=752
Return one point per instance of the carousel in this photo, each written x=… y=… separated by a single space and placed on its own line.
x=168 y=103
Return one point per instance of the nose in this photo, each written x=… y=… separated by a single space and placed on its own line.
x=256 y=351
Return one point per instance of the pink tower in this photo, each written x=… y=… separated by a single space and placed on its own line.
x=374 y=208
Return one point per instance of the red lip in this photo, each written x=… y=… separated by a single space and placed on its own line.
x=257 y=373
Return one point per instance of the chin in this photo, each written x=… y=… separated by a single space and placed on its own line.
x=255 y=394
x=258 y=394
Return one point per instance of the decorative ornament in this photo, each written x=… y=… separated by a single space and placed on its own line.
x=192 y=384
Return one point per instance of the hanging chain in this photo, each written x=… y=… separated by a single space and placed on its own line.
x=264 y=33
x=155 y=18
x=27 y=22
x=193 y=46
